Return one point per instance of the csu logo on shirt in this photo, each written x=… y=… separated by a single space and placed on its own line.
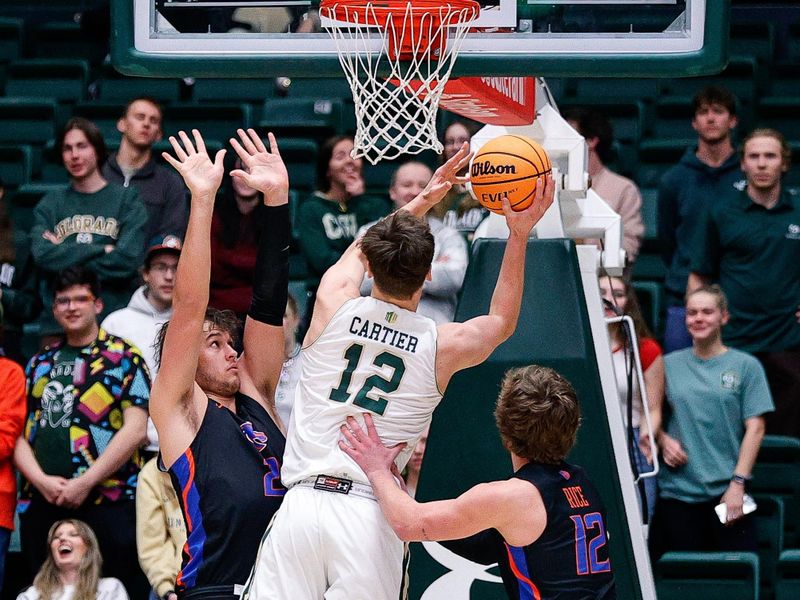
x=793 y=232
x=730 y=380
x=391 y=317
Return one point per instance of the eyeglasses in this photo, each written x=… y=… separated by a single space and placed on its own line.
x=66 y=301
x=163 y=268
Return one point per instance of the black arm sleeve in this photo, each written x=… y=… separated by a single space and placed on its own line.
x=484 y=547
x=271 y=277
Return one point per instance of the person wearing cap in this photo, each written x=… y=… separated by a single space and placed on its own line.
x=149 y=308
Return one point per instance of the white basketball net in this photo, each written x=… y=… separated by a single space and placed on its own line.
x=396 y=101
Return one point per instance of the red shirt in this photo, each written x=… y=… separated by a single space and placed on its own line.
x=13 y=411
x=232 y=267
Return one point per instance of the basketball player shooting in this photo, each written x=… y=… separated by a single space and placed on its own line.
x=375 y=354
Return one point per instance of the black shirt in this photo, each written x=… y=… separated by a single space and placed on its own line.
x=228 y=485
x=569 y=561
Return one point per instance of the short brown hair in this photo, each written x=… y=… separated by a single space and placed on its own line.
x=399 y=250
x=221 y=320
x=537 y=414
x=714 y=95
x=150 y=100
x=786 y=150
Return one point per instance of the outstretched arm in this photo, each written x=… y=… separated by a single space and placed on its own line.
x=343 y=280
x=174 y=406
x=263 y=333
x=462 y=345
x=513 y=507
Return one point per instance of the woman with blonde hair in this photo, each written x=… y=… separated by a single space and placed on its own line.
x=72 y=568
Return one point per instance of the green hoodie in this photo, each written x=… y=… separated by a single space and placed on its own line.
x=84 y=224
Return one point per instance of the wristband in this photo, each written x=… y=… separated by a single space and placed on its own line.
x=740 y=479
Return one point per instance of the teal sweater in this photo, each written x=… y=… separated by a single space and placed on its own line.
x=84 y=225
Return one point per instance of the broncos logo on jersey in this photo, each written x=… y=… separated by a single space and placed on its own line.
x=257 y=438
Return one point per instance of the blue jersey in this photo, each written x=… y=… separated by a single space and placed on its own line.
x=569 y=561
x=228 y=485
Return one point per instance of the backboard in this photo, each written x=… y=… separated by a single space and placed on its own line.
x=269 y=38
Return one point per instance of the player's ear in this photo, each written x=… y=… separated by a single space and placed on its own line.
x=429 y=276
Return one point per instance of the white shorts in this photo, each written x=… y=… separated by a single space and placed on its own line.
x=323 y=544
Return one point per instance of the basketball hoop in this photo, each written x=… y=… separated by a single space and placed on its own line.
x=397 y=76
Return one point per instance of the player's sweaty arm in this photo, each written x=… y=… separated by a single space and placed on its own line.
x=513 y=507
x=181 y=348
x=462 y=345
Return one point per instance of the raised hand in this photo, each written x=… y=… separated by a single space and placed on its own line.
x=444 y=178
x=201 y=176
x=521 y=223
x=366 y=448
x=265 y=170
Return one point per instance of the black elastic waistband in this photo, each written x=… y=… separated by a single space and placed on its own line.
x=210 y=592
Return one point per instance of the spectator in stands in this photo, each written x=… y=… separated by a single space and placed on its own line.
x=161 y=190
x=619 y=192
x=440 y=291
x=750 y=244
x=328 y=221
x=72 y=568
x=149 y=308
x=160 y=530
x=706 y=171
x=290 y=372
x=717 y=396
x=93 y=223
x=458 y=209
x=619 y=298
x=235 y=231
x=12 y=419
x=19 y=300
x=87 y=402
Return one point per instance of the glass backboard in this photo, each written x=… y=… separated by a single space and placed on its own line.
x=260 y=38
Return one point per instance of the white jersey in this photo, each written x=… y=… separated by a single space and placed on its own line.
x=372 y=357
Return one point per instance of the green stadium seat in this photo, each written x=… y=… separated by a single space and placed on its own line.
x=300 y=157
x=10 y=39
x=66 y=38
x=299 y=292
x=16 y=165
x=115 y=88
x=27 y=121
x=753 y=39
x=707 y=576
x=103 y=114
x=650 y=213
x=769 y=518
x=625 y=159
x=330 y=87
x=793 y=50
x=656 y=156
x=777 y=473
x=65 y=80
x=626 y=116
x=305 y=117
x=51 y=169
x=784 y=80
x=214 y=122
x=649 y=266
x=781 y=113
x=615 y=88
x=650 y=295
x=25 y=199
x=742 y=76
x=671 y=119
x=787 y=584
x=378 y=177
x=254 y=91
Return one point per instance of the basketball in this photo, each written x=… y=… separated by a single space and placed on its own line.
x=509 y=166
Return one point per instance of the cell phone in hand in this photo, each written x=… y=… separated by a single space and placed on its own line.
x=748 y=506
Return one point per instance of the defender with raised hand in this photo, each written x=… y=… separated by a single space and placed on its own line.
x=375 y=354
x=220 y=435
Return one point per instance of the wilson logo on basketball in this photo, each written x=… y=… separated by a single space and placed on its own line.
x=487 y=168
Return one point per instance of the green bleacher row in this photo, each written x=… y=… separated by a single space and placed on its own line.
x=772 y=572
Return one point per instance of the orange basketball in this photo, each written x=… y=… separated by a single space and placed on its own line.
x=508 y=166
